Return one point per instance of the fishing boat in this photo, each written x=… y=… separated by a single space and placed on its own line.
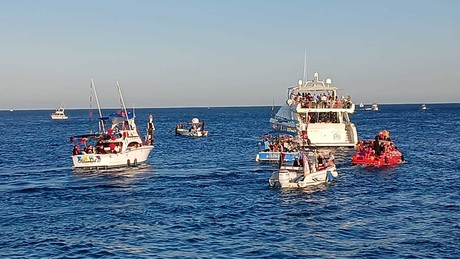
x=118 y=145
x=314 y=107
x=195 y=128
x=59 y=114
x=423 y=107
x=304 y=172
x=378 y=152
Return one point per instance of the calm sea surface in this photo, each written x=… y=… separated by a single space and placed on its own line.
x=209 y=198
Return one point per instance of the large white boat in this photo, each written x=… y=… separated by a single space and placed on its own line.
x=315 y=109
x=303 y=172
x=119 y=145
x=59 y=114
x=195 y=128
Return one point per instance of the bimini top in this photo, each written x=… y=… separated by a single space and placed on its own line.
x=118 y=116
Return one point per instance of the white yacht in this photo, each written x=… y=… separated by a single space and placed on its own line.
x=59 y=114
x=313 y=108
x=423 y=107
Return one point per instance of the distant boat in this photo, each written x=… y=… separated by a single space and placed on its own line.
x=423 y=107
x=59 y=114
x=375 y=107
x=11 y=110
x=361 y=105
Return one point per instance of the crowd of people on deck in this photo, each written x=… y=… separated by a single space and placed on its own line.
x=101 y=148
x=280 y=144
x=288 y=143
x=373 y=149
x=323 y=100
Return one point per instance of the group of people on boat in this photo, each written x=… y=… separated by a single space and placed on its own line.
x=323 y=100
x=194 y=126
x=322 y=160
x=285 y=143
x=381 y=148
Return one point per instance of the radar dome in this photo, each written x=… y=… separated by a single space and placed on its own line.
x=195 y=120
x=328 y=81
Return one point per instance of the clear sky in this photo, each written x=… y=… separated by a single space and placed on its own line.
x=225 y=53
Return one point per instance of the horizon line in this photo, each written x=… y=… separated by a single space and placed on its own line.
x=224 y=106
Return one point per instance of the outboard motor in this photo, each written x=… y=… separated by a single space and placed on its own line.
x=283 y=177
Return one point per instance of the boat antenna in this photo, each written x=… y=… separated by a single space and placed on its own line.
x=304 y=79
x=93 y=86
x=123 y=104
x=134 y=112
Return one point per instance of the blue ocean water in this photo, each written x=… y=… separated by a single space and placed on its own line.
x=209 y=198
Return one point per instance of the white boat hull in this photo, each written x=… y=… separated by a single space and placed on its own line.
x=324 y=134
x=59 y=117
x=187 y=133
x=295 y=179
x=128 y=158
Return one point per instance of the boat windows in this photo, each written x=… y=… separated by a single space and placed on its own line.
x=323 y=117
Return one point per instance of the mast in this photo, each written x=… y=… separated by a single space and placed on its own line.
x=124 y=106
x=97 y=102
x=304 y=79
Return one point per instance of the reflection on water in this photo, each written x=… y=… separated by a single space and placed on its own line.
x=119 y=175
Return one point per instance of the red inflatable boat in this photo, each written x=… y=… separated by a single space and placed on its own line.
x=378 y=152
x=391 y=158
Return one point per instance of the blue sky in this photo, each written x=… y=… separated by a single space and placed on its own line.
x=225 y=53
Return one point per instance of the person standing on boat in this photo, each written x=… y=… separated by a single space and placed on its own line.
x=377 y=146
x=150 y=130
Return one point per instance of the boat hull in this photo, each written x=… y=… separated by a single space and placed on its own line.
x=59 y=117
x=187 y=133
x=296 y=179
x=128 y=158
x=383 y=160
x=274 y=157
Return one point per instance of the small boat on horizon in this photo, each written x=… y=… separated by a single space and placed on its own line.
x=59 y=114
x=424 y=107
x=375 y=107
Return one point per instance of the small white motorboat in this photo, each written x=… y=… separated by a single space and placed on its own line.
x=303 y=172
x=59 y=114
x=423 y=107
x=195 y=128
